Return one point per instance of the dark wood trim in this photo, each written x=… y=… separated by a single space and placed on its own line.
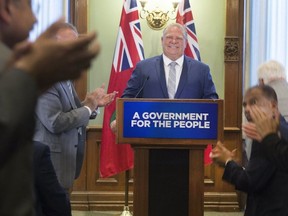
x=233 y=52
x=91 y=192
x=78 y=17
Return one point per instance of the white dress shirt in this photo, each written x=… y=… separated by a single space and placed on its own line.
x=178 y=68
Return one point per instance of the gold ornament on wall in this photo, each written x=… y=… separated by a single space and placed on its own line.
x=158 y=13
x=231 y=50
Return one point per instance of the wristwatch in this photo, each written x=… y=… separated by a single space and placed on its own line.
x=95 y=113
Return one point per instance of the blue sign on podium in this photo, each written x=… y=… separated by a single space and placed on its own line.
x=169 y=119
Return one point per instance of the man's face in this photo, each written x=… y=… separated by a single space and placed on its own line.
x=21 y=21
x=173 y=43
x=255 y=97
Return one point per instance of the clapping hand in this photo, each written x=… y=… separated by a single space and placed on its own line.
x=101 y=98
x=250 y=131
x=264 y=123
x=221 y=155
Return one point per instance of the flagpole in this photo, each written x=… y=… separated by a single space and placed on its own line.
x=126 y=187
x=126 y=211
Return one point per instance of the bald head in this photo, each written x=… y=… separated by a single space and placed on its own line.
x=262 y=96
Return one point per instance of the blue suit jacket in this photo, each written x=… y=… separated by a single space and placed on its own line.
x=195 y=81
x=148 y=81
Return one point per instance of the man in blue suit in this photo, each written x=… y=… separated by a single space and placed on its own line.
x=193 y=78
x=151 y=79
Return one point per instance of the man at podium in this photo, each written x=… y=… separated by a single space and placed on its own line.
x=171 y=75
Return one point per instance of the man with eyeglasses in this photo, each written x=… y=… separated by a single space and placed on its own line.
x=26 y=70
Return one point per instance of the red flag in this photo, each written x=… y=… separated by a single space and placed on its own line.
x=116 y=158
x=185 y=17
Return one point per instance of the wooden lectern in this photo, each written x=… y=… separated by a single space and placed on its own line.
x=169 y=138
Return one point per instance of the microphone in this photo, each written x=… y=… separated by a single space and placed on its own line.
x=147 y=78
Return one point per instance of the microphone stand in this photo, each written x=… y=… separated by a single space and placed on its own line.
x=126 y=211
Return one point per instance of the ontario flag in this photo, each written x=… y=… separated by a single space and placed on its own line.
x=128 y=51
x=185 y=17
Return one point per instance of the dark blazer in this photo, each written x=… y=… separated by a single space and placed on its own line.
x=18 y=96
x=195 y=81
x=283 y=128
x=275 y=148
x=51 y=199
x=266 y=186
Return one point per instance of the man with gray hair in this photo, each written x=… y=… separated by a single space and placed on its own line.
x=273 y=73
x=61 y=119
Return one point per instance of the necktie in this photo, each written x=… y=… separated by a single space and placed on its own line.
x=172 y=80
x=70 y=88
x=71 y=95
x=69 y=84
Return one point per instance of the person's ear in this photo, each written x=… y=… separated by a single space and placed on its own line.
x=261 y=81
x=275 y=110
x=5 y=11
x=274 y=105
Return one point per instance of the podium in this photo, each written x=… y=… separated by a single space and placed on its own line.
x=169 y=138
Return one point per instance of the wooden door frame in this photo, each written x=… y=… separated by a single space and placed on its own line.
x=78 y=17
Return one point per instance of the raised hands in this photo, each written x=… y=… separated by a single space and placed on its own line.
x=50 y=61
x=264 y=123
x=102 y=98
x=221 y=155
x=98 y=98
x=250 y=131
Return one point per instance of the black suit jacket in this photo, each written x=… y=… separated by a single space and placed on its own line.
x=51 y=199
x=275 y=148
x=266 y=186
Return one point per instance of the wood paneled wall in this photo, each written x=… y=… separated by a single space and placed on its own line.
x=90 y=192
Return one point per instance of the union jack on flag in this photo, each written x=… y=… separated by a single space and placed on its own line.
x=185 y=17
x=129 y=45
x=129 y=50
